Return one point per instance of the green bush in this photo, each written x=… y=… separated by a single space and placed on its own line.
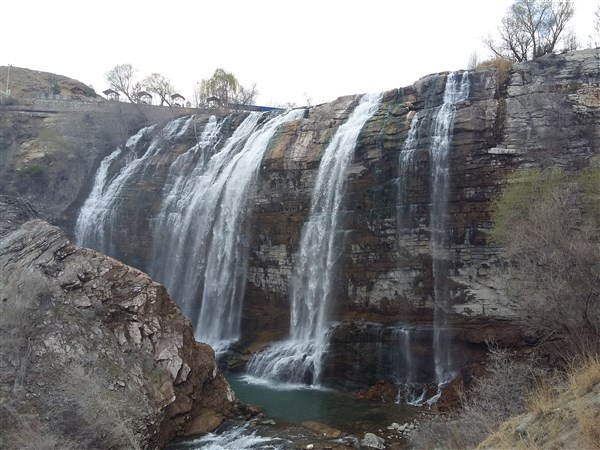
x=589 y=182
x=523 y=189
x=34 y=169
x=547 y=224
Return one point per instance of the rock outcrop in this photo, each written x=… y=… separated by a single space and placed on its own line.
x=94 y=352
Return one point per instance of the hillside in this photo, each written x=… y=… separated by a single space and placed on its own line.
x=26 y=84
x=559 y=415
x=53 y=132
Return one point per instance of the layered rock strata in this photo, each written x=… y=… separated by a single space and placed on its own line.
x=94 y=352
x=538 y=114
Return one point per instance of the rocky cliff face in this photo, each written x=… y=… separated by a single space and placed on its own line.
x=94 y=353
x=541 y=113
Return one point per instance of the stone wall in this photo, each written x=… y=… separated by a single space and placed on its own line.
x=153 y=113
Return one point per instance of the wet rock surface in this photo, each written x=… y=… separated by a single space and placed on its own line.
x=542 y=113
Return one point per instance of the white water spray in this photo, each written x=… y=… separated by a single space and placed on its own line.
x=457 y=90
x=200 y=239
x=97 y=218
x=200 y=245
x=299 y=359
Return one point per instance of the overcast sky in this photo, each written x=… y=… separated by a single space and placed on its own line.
x=320 y=49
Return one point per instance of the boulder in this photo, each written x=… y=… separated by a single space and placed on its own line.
x=94 y=352
x=372 y=441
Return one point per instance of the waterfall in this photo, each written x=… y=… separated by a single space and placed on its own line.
x=199 y=242
x=456 y=90
x=406 y=163
x=407 y=168
x=200 y=250
x=97 y=218
x=402 y=336
x=439 y=126
x=410 y=390
x=299 y=359
x=95 y=206
x=407 y=384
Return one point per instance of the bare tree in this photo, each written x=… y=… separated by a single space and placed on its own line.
x=594 y=39
x=135 y=91
x=491 y=400
x=533 y=28
x=159 y=85
x=473 y=61
x=246 y=96
x=308 y=98
x=121 y=79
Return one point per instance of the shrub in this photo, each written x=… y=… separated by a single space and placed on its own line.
x=89 y=413
x=84 y=410
x=523 y=189
x=503 y=69
x=32 y=170
x=545 y=222
x=562 y=412
x=492 y=400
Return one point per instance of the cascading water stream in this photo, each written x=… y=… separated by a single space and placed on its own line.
x=200 y=241
x=440 y=133
x=182 y=229
x=406 y=163
x=406 y=169
x=456 y=90
x=199 y=244
x=408 y=390
x=96 y=220
x=96 y=203
x=299 y=359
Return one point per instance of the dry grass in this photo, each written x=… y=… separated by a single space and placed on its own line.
x=90 y=413
x=85 y=413
x=586 y=382
x=564 y=412
x=492 y=400
x=561 y=411
x=30 y=434
x=26 y=83
x=542 y=402
x=588 y=417
x=503 y=68
x=585 y=378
